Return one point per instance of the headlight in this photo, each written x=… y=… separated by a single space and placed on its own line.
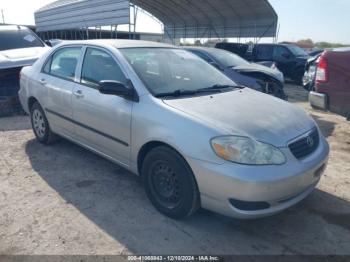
x=243 y=150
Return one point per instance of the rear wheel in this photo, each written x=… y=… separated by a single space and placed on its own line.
x=40 y=125
x=169 y=183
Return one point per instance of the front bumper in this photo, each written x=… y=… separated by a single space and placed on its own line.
x=280 y=186
x=318 y=100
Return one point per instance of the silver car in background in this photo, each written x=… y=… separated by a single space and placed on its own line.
x=195 y=138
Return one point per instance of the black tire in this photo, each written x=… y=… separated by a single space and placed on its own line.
x=40 y=125
x=299 y=75
x=169 y=182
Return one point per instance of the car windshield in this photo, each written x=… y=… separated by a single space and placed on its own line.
x=297 y=51
x=227 y=59
x=167 y=70
x=21 y=38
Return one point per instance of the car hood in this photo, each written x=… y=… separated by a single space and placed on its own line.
x=20 y=57
x=248 y=113
x=262 y=69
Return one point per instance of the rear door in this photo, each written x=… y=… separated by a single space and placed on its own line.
x=339 y=81
x=57 y=78
x=284 y=60
x=263 y=53
x=103 y=122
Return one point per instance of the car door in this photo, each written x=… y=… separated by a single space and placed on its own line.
x=57 y=78
x=102 y=121
x=338 y=85
x=284 y=60
x=263 y=53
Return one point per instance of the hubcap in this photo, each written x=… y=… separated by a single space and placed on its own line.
x=39 y=123
x=165 y=185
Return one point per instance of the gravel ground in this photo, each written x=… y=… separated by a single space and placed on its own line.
x=63 y=199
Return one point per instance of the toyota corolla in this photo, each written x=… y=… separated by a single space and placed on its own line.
x=196 y=138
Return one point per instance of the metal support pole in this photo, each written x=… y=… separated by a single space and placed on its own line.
x=135 y=19
x=3 y=17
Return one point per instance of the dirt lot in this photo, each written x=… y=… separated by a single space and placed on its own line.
x=65 y=200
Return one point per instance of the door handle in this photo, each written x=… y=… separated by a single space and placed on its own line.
x=78 y=94
x=43 y=81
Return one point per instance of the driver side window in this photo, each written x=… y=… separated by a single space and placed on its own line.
x=281 y=53
x=98 y=65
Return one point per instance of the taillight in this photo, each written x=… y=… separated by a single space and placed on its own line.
x=322 y=70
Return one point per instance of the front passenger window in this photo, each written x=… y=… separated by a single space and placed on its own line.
x=64 y=62
x=99 y=65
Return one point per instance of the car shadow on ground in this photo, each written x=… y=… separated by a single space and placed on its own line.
x=327 y=127
x=115 y=201
x=15 y=123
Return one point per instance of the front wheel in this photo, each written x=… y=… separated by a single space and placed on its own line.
x=170 y=183
x=40 y=125
x=299 y=76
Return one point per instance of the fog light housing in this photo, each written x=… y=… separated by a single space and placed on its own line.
x=248 y=205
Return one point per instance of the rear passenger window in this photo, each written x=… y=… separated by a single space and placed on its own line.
x=64 y=62
x=264 y=52
x=99 y=65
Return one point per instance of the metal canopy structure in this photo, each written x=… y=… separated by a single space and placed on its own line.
x=78 y=14
x=181 y=18
x=213 y=18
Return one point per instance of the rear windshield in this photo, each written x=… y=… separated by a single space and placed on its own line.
x=21 y=38
x=227 y=59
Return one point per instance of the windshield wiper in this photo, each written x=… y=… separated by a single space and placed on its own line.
x=211 y=89
x=220 y=88
x=177 y=93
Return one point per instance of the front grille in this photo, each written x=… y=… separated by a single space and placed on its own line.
x=306 y=145
x=9 y=81
x=9 y=86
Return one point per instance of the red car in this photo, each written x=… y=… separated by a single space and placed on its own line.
x=332 y=90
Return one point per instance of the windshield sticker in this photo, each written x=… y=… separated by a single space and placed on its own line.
x=29 y=38
x=184 y=54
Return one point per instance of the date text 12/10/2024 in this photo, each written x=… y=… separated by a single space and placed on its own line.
x=175 y=258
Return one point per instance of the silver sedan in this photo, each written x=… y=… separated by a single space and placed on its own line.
x=195 y=137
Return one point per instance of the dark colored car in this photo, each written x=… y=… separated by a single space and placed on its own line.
x=19 y=47
x=289 y=59
x=317 y=52
x=236 y=48
x=332 y=89
x=255 y=76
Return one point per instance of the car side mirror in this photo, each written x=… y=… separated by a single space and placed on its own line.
x=111 y=87
x=48 y=43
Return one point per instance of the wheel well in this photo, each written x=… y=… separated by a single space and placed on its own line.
x=145 y=149
x=31 y=102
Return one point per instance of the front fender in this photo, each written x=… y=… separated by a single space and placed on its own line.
x=152 y=120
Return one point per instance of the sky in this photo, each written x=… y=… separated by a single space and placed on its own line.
x=320 y=20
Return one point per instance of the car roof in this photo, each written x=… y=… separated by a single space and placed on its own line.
x=119 y=43
x=341 y=49
x=279 y=44
x=202 y=48
x=195 y=47
x=12 y=27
